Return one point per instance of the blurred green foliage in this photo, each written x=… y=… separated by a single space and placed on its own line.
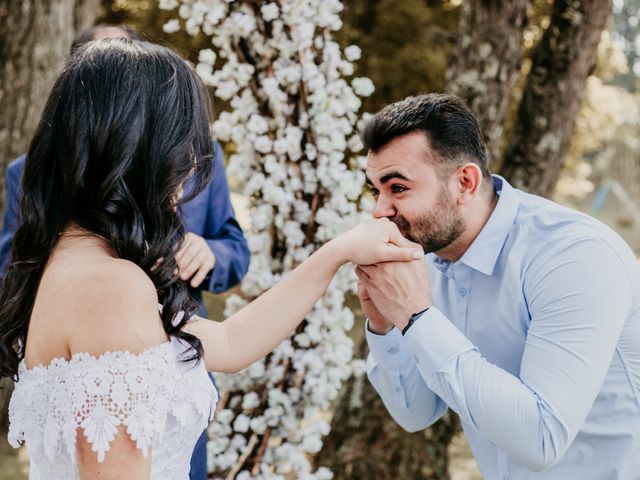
x=626 y=30
x=147 y=19
x=406 y=45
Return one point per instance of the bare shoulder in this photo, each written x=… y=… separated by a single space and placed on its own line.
x=106 y=304
x=116 y=282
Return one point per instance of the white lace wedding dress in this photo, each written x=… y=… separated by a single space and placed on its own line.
x=163 y=402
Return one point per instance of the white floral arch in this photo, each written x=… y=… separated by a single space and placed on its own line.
x=296 y=155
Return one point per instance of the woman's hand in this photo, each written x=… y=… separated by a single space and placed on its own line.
x=376 y=241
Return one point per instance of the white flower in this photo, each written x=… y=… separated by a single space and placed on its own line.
x=222 y=127
x=258 y=425
x=204 y=72
x=310 y=151
x=362 y=86
x=250 y=400
x=263 y=144
x=346 y=68
x=224 y=416
x=207 y=56
x=243 y=24
x=324 y=473
x=185 y=11
x=270 y=11
x=192 y=26
x=355 y=144
x=225 y=90
x=257 y=369
x=257 y=124
x=352 y=53
x=241 y=424
x=358 y=367
x=171 y=26
x=312 y=444
x=168 y=4
x=293 y=234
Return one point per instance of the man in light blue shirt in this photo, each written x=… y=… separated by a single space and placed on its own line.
x=524 y=319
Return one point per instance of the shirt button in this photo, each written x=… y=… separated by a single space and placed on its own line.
x=463 y=292
x=393 y=350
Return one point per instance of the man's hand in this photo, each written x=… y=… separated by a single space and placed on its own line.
x=396 y=289
x=195 y=259
x=377 y=323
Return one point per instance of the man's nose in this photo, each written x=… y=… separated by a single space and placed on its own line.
x=384 y=209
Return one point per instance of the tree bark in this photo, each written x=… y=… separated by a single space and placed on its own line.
x=35 y=36
x=487 y=61
x=365 y=442
x=545 y=121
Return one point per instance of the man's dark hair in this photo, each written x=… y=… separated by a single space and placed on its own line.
x=451 y=128
x=89 y=34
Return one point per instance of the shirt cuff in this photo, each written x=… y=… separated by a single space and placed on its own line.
x=434 y=341
x=387 y=351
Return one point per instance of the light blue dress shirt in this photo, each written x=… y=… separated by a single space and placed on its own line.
x=533 y=340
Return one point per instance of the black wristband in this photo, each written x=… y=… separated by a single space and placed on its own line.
x=412 y=319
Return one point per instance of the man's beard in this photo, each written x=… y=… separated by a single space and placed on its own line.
x=435 y=229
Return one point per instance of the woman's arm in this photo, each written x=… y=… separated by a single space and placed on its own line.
x=259 y=327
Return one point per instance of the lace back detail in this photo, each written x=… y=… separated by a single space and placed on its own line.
x=98 y=395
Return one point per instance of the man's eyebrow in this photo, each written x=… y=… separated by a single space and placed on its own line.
x=391 y=176
x=387 y=177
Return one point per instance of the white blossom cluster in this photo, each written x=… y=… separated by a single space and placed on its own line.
x=292 y=124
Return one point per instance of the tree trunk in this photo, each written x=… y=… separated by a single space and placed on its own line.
x=365 y=442
x=35 y=36
x=486 y=63
x=545 y=121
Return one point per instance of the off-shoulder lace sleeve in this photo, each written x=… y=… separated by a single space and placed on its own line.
x=97 y=395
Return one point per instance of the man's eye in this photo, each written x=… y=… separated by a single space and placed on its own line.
x=398 y=189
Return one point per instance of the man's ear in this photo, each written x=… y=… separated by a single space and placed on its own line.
x=468 y=179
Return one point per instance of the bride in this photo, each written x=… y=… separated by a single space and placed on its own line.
x=96 y=327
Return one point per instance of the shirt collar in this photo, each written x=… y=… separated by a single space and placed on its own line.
x=483 y=253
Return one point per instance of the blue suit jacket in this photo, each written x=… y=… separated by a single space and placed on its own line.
x=209 y=215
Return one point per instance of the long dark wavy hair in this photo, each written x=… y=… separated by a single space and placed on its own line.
x=125 y=125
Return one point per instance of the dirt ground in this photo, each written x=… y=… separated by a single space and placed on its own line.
x=14 y=464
